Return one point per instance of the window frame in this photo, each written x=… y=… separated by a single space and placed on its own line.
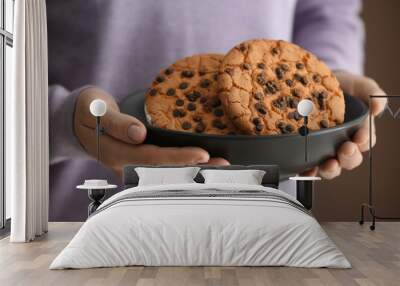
x=6 y=39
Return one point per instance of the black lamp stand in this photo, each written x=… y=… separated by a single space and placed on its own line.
x=370 y=205
x=304 y=132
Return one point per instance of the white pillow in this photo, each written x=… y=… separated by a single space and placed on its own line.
x=248 y=177
x=163 y=176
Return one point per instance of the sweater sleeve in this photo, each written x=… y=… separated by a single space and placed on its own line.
x=63 y=142
x=333 y=30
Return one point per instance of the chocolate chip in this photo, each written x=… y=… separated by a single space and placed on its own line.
x=300 y=66
x=171 y=92
x=279 y=73
x=289 y=128
x=215 y=77
x=205 y=83
x=193 y=96
x=284 y=131
x=322 y=94
x=242 y=47
x=191 y=106
x=261 y=79
x=186 y=125
x=169 y=71
x=200 y=127
x=160 y=79
x=197 y=118
x=183 y=85
x=187 y=73
x=207 y=108
x=179 y=102
x=317 y=78
x=321 y=103
x=217 y=123
x=215 y=102
x=294 y=115
x=218 y=112
x=246 y=66
x=153 y=92
x=275 y=51
x=285 y=67
x=271 y=87
x=261 y=65
x=296 y=93
x=304 y=81
x=321 y=100
x=203 y=99
x=301 y=79
x=279 y=103
x=281 y=125
x=197 y=94
x=324 y=123
x=259 y=127
x=260 y=108
x=258 y=95
x=178 y=113
x=256 y=121
x=289 y=82
x=229 y=71
x=293 y=102
x=202 y=72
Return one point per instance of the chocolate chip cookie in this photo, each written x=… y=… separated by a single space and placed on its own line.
x=262 y=81
x=184 y=97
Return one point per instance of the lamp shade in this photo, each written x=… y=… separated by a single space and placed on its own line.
x=305 y=107
x=98 y=107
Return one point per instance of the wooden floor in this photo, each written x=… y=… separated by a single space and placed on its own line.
x=375 y=257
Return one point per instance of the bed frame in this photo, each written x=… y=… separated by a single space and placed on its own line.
x=270 y=179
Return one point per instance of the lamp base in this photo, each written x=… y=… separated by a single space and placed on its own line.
x=96 y=196
x=305 y=193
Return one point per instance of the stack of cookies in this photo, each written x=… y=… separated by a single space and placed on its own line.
x=254 y=89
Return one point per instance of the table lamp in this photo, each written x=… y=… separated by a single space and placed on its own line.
x=305 y=185
x=304 y=108
x=98 y=108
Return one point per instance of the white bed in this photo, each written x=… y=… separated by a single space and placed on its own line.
x=201 y=224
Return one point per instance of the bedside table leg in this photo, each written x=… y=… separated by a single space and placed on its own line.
x=305 y=193
x=96 y=196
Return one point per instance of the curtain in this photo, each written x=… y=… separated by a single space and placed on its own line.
x=27 y=146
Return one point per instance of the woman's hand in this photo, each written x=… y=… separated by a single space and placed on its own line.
x=122 y=142
x=349 y=154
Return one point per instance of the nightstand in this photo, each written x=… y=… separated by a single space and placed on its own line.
x=96 y=191
x=304 y=189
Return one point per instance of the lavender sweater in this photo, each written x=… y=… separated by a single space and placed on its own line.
x=120 y=45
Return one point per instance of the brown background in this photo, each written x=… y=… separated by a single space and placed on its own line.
x=340 y=199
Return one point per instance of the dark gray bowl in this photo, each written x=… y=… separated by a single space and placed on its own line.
x=287 y=151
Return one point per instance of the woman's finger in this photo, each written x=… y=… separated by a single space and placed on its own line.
x=116 y=154
x=310 y=173
x=361 y=138
x=330 y=169
x=218 y=162
x=349 y=156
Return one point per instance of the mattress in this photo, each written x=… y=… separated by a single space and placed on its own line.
x=201 y=225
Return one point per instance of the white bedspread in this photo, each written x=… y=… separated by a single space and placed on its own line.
x=190 y=230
